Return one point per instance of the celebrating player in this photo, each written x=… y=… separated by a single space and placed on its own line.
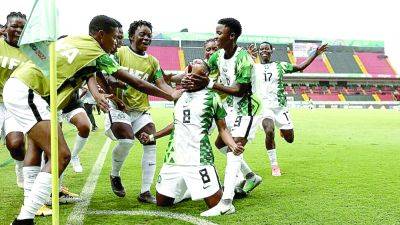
x=270 y=88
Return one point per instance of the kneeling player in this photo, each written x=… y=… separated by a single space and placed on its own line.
x=189 y=160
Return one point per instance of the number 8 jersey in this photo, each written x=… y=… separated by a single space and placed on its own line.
x=269 y=79
x=194 y=113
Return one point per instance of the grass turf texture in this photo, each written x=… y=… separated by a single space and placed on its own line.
x=343 y=168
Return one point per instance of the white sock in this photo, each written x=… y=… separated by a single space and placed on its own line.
x=79 y=144
x=148 y=166
x=231 y=170
x=273 y=160
x=119 y=154
x=39 y=194
x=19 y=165
x=244 y=167
x=30 y=174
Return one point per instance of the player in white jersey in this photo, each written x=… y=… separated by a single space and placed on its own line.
x=270 y=88
x=235 y=68
x=189 y=160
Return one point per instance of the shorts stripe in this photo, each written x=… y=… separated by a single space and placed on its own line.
x=249 y=127
x=33 y=106
x=109 y=116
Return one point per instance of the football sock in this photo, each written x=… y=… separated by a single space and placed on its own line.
x=148 y=166
x=79 y=144
x=272 y=157
x=30 y=174
x=119 y=154
x=231 y=170
x=40 y=192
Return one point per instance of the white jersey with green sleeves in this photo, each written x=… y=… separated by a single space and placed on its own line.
x=194 y=113
x=239 y=69
x=270 y=83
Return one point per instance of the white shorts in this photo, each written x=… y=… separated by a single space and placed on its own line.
x=244 y=126
x=136 y=119
x=280 y=116
x=7 y=122
x=24 y=105
x=68 y=116
x=201 y=181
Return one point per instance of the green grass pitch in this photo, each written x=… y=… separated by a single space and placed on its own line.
x=343 y=168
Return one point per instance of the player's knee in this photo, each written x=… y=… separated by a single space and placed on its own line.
x=84 y=130
x=16 y=146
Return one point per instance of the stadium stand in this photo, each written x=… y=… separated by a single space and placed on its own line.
x=167 y=55
x=317 y=66
x=376 y=63
x=343 y=62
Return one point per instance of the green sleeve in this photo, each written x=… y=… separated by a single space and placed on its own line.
x=219 y=109
x=158 y=72
x=287 y=67
x=244 y=67
x=213 y=64
x=107 y=64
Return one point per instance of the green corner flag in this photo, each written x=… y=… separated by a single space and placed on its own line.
x=38 y=33
x=38 y=43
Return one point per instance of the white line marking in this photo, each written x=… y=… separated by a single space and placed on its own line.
x=177 y=216
x=78 y=213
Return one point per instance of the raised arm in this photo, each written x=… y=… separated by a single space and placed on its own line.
x=310 y=59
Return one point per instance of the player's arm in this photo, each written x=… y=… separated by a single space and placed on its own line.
x=310 y=59
x=100 y=98
x=160 y=83
x=226 y=137
x=146 y=138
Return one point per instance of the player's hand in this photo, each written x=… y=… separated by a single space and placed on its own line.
x=321 y=49
x=186 y=83
x=100 y=89
x=252 y=50
x=120 y=104
x=237 y=148
x=177 y=94
x=197 y=81
x=102 y=101
x=144 y=138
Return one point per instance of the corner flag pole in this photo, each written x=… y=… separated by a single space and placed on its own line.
x=54 y=121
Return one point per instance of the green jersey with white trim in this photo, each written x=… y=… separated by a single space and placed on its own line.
x=270 y=83
x=194 y=113
x=236 y=70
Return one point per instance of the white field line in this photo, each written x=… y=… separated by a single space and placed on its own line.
x=78 y=213
x=177 y=216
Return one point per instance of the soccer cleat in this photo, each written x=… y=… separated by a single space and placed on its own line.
x=66 y=191
x=76 y=165
x=23 y=222
x=65 y=198
x=219 y=209
x=146 y=197
x=44 y=211
x=116 y=186
x=20 y=176
x=239 y=193
x=252 y=183
x=276 y=171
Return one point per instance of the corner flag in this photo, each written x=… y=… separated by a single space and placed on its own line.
x=39 y=31
x=38 y=43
